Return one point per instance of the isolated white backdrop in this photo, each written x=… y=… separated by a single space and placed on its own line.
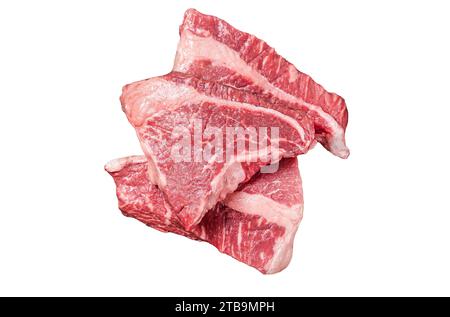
x=375 y=224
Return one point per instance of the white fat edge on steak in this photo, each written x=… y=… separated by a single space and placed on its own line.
x=117 y=165
x=192 y=47
x=163 y=95
x=155 y=176
x=287 y=217
x=228 y=179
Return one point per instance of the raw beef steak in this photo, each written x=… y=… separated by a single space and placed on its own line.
x=212 y=49
x=179 y=109
x=255 y=225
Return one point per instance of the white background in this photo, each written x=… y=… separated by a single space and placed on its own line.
x=375 y=224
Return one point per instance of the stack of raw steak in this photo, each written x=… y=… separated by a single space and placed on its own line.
x=241 y=193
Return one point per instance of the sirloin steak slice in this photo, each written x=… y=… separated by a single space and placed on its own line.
x=193 y=183
x=255 y=225
x=212 y=49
